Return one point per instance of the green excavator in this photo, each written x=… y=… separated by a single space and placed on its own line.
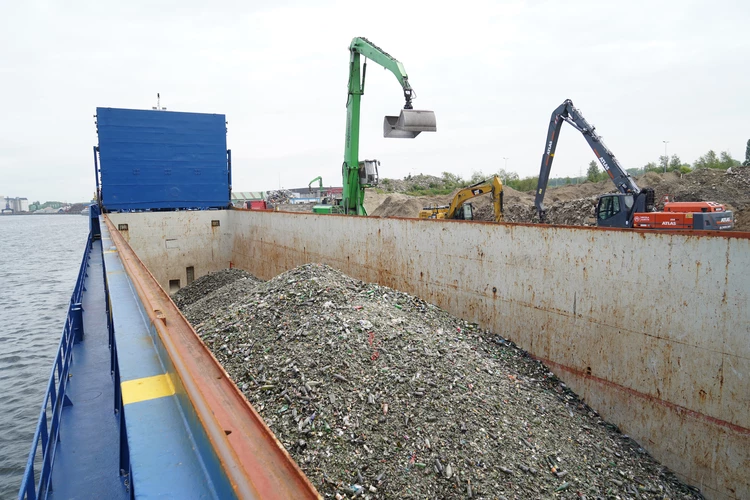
x=325 y=205
x=358 y=175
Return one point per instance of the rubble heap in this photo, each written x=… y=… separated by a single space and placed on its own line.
x=378 y=394
x=575 y=204
x=577 y=212
x=279 y=196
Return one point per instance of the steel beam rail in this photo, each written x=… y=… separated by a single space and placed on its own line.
x=48 y=429
x=256 y=463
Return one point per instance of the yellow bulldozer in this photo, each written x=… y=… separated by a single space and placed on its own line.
x=459 y=209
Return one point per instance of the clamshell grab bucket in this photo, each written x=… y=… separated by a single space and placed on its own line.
x=409 y=124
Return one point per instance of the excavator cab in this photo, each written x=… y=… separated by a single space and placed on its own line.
x=616 y=210
x=465 y=212
x=613 y=210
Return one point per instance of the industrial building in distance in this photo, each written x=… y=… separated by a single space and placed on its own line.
x=242 y=199
x=21 y=206
x=13 y=205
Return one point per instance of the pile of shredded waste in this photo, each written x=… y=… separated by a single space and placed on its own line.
x=378 y=394
x=209 y=284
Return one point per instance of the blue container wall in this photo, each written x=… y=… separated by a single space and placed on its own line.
x=162 y=159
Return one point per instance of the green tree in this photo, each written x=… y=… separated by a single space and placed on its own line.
x=663 y=161
x=525 y=184
x=650 y=167
x=674 y=165
x=507 y=176
x=747 y=154
x=449 y=178
x=726 y=161
x=708 y=160
x=477 y=176
x=635 y=171
x=711 y=160
x=592 y=174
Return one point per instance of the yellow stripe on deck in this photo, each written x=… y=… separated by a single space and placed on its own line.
x=144 y=389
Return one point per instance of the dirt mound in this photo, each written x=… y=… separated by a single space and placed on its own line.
x=414 y=182
x=402 y=205
x=399 y=205
x=377 y=393
x=512 y=197
x=724 y=186
x=207 y=284
x=576 y=204
x=577 y=191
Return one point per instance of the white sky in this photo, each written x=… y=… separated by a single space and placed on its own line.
x=641 y=71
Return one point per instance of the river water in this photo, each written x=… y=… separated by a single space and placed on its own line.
x=39 y=260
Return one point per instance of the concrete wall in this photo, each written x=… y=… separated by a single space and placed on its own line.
x=651 y=329
x=170 y=242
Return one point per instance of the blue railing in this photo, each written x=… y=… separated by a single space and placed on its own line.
x=48 y=425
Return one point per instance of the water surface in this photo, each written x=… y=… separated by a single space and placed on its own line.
x=39 y=260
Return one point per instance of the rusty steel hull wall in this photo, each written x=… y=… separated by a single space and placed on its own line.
x=651 y=329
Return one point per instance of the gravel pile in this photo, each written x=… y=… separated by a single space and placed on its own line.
x=216 y=302
x=207 y=284
x=378 y=394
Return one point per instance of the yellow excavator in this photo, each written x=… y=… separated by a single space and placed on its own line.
x=459 y=209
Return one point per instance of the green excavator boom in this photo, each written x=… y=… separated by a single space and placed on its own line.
x=358 y=175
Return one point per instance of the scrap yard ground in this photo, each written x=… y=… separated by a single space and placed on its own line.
x=573 y=204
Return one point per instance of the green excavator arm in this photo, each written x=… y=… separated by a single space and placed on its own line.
x=359 y=175
x=320 y=183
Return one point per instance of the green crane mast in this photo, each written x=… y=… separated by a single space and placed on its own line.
x=359 y=175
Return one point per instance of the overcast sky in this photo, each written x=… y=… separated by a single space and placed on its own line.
x=641 y=71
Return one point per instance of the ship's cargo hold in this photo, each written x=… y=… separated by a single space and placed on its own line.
x=368 y=386
x=556 y=309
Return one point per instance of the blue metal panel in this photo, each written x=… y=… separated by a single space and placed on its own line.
x=153 y=159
